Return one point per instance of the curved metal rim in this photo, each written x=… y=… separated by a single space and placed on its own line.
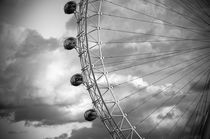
x=115 y=131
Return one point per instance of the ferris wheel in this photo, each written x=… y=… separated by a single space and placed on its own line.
x=145 y=64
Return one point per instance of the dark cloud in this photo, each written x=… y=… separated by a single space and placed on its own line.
x=97 y=131
x=62 y=136
x=14 y=132
x=11 y=11
x=71 y=24
x=47 y=115
x=200 y=86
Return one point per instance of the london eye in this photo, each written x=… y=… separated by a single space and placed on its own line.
x=145 y=65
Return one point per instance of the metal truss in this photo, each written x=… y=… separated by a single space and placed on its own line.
x=103 y=98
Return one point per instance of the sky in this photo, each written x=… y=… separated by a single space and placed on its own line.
x=36 y=98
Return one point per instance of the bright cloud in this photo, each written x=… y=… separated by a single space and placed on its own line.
x=166 y=117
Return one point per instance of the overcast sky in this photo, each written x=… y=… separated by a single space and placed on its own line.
x=36 y=98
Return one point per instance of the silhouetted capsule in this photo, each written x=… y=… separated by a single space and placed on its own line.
x=76 y=79
x=90 y=115
x=70 y=7
x=70 y=43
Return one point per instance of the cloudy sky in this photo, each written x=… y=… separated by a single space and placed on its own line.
x=37 y=100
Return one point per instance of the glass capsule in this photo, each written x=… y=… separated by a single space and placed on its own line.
x=76 y=79
x=70 y=43
x=90 y=115
x=70 y=7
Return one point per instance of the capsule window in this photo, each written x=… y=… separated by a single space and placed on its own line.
x=70 y=43
x=70 y=7
x=76 y=79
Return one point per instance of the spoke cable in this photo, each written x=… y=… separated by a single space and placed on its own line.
x=186 y=110
x=180 y=100
x=170 y=98
x=188 y=66
x=145 y=75
x=150 y=53
x=136 y=65
x=132 y=60
x=152 y=22
x=139 y=12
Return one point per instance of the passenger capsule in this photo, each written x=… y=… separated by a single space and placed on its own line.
x=70 y=7
x=90 y=115
x=70 y=43
x=76 y=79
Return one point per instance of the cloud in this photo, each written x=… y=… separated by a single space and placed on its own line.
x=169 y=114
x=14 y=132
x=136 y=82
x=11 y=10
x=199 y=86
x=35 y=79
x=29 y=130
x=62 y=136
x=71 y=24
x=116 y=79
x=145 y=47
x=97 y=131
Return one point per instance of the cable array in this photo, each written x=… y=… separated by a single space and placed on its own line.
x=138 y=44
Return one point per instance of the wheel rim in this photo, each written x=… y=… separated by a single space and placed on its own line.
x=91 y=55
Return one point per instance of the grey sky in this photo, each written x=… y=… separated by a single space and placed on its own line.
x=36 y=98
